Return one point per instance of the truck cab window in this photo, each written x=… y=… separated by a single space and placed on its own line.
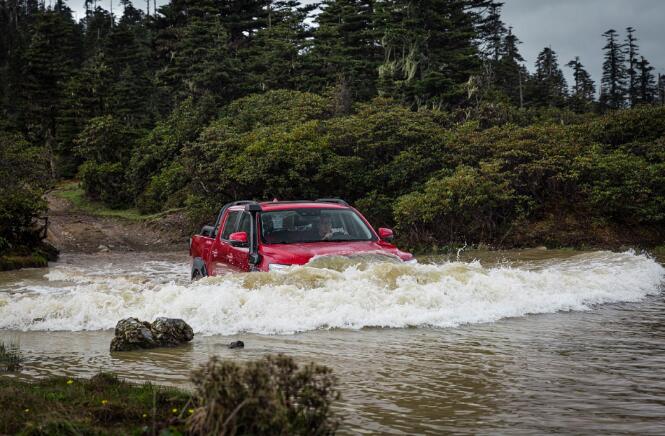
x=231 y=224
x=245 y=223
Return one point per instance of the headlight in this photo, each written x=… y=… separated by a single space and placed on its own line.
x=278 y=267
x=412 y=261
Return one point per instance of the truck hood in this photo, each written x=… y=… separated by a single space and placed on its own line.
x=300 y=254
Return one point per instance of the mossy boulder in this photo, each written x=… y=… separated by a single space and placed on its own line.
x=133 y=334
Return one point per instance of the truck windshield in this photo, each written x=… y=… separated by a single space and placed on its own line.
x=313 y=225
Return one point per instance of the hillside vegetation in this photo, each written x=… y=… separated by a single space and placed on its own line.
x=422 y=114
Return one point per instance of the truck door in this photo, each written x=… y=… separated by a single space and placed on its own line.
x=221 y=258
x=240 y=254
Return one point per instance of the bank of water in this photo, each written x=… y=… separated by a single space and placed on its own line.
x=539 y=341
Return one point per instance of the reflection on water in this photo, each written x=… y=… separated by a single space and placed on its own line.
x=599 y=370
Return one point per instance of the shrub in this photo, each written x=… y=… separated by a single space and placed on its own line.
x=25 y=177
x=623 y=187
x=644 y=123
x=274 y=108
x=270 y=396
x=105 y=182
x=11 y=358
x=105 y=139
x=161 y=147
x=165 y=190
x=470 y=203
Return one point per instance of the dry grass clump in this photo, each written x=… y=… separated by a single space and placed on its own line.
x=11 y=358
x=271 y=396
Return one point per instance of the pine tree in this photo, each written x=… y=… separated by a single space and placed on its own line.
x=632 y=53
x=127 y=55
x=613 y=84
x=547 y=86
x=242 y=19
x=492 y=33
x=97 y=26
x=646 y=82
x=510 y=74
x=584 y=88
x=16 y=19
x=346 y=47
x=429 y=51
x=52 y=57
x=661 y=89
x=274 y=59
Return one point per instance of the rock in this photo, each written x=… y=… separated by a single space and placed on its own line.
x=132 y=334
x=237 y=344
x=170 y=332
x=103 y=248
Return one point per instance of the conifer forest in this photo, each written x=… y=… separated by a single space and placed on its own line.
x=423 y=114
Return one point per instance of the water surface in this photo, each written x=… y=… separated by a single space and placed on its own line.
x=524 y=341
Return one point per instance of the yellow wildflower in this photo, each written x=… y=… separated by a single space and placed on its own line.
x=174 y=410
x=190 y=411
x=104 y=402
x=26 y=410
x=145 y=415
x=70 y=381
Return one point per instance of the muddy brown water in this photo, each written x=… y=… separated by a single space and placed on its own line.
x=534 y=341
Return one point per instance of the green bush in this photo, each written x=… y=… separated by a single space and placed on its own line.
x=510 y=177
x=166 y=190
x=161 y=147
x=471 y=205
x=106 y=145
x=105 y=182
x=623 y=187
x=278 y=107
x=383 y=148
x=105 y=139
x=644 y=123
x=25 y=177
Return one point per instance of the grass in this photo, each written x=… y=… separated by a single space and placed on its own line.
x=102 y=404
x=12 y=262
x=10 y=357
x=34 y=256
x=273 y=395
x=71 y=191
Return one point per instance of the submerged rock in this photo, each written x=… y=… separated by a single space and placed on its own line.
x=171 y=331
x=133 y=334
x=237 y=344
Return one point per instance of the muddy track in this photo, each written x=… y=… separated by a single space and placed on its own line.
x=72 y=230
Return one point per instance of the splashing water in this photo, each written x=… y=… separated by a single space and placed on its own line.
x=328 y=293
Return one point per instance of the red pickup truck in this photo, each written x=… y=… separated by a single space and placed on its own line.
x=271 y=236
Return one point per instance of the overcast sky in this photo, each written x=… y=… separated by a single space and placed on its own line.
x=575 y=27
x=571 y=27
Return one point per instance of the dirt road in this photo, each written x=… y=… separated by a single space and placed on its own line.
x=72 y=230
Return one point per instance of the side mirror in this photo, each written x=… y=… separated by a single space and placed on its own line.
x=386 y=234
x=208 y=231
x=238 y=239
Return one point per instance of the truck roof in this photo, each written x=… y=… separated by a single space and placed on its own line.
x=268 y=206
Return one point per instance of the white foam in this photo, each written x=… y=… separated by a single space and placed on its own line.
x=340 y=296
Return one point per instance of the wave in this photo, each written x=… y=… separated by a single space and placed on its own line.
x=329 y=293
